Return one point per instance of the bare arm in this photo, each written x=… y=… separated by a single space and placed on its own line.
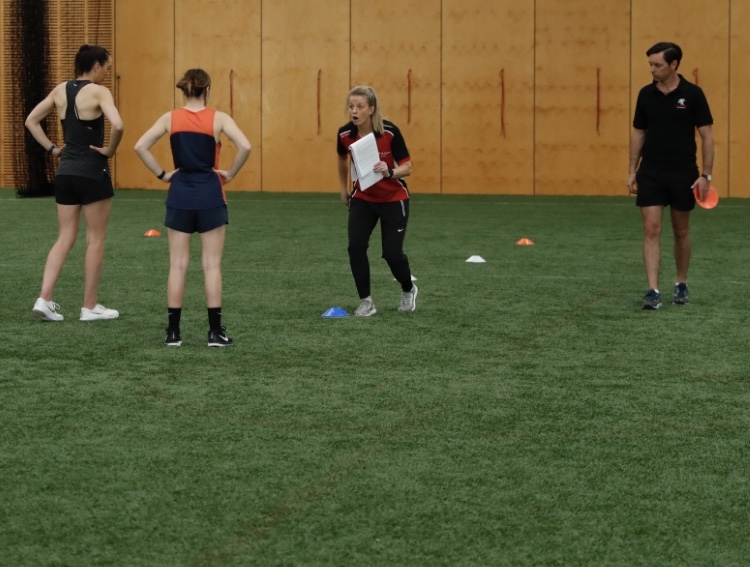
x=707 y=148
x=240 y=141
x=707 y=155
x=637 y=137
x=107 y=104
x=402 y=170
x=35 y=118
x=143 y=146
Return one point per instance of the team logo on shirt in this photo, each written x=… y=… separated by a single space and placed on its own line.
x=682 y=103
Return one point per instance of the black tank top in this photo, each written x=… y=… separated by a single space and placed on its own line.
x=77 y=157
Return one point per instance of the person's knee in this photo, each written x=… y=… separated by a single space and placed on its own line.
x=65 y=242
x=179 y=263
x=356 y=248
x=211 y=265
x=94 y=240
x=681 y=233
x=651 y=230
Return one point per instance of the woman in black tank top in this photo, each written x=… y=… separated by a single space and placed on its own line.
x=83 y=181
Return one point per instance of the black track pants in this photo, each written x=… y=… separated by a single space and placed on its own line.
x=393 y=217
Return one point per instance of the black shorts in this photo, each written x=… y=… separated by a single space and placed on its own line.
x=77 y=190
x=191 y=221
x=666 y=187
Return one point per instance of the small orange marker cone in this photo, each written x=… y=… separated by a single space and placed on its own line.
x=525 y=242
x=152 y=232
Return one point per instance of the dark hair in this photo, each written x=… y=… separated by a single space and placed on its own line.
x=194 y=83
x=88 y=56
x=672 y=51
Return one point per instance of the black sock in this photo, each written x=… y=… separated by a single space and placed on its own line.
x=214 y=318
x=174 y=314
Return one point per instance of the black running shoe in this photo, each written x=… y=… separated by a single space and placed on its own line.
x=219 y=338
x=173 y=338
x=680 y=294
x=652 y=299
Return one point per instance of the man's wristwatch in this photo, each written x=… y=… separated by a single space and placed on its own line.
x=707 y=176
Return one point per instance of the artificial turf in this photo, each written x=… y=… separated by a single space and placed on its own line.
x=528 y=413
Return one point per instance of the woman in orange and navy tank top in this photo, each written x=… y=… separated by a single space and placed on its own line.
x=196 y=201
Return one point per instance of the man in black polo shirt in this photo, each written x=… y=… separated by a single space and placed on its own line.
x=663 y=164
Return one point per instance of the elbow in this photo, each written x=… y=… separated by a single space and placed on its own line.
x=407 y=171
x=117 y=126
x=142 y=146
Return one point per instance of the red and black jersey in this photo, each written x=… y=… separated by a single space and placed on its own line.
x=393 y=152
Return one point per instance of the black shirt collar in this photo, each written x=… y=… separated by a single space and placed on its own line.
x=678 y=88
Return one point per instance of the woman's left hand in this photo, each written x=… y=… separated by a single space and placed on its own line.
x=224 y=174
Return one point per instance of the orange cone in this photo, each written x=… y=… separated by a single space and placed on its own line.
x=525 y=242
x=152 y=232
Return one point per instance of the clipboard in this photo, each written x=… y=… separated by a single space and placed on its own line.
x=365 y=155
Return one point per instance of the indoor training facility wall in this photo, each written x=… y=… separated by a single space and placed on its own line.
x=530 y=97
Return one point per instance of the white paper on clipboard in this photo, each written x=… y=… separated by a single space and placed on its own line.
x=365 y=155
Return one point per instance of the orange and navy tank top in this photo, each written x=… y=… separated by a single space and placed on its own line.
x=195 y=151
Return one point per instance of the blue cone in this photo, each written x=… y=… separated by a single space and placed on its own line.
x=335 y=312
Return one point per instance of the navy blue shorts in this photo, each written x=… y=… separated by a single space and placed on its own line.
x=668 y=188
x=77 y=190
x=191 y=221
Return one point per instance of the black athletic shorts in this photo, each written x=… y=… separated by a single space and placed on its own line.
x=191 y=221
x=667 y=187
x=77 y=190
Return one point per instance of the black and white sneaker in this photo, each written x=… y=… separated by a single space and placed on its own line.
x=652 y=300
x=219 y=338
x=173 y=338
x=680 y=294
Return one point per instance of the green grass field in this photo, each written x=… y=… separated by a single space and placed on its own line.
x=528 y=413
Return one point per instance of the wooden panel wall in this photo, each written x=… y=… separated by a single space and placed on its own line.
x=70 y=24
x=6 y=112
x=305 y=77
x=229 y=51
x=582 y=90
x=487 y=117
x=702 y=31
x=493 y=97
x=144 y=63
x=738 y=178
x=403 y=66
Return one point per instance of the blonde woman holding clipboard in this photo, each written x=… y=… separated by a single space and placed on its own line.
x=378 y=193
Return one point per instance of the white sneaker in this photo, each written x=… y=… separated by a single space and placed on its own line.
x=409 y=299
x=47 y=310
x=98 y=313
x=366 y=308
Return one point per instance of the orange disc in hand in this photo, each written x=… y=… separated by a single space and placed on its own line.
x=712 y=199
